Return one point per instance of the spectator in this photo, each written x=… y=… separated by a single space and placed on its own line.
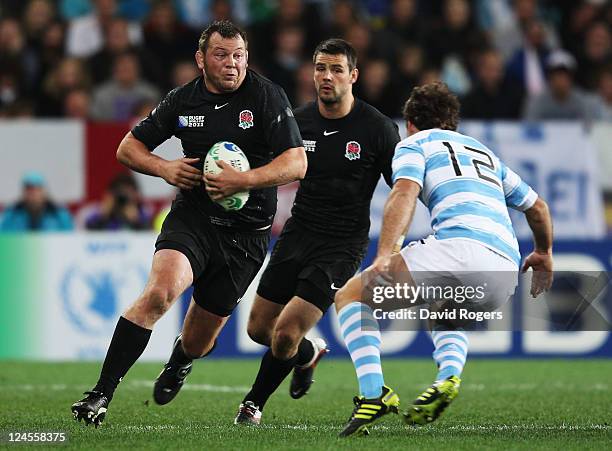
x=35 y=211
x=168 y=39
x=117 y=41
x=305 y=90
x=141 y=111
x=71 y=9
x=493 y=96
x=70 y=74
x=38 y=16
x=454 y=44
x=596 y=53
x=287 y=58
x=9 y=90
x=77 y=104
x=51 y=52
x=526 y=67
x=197 y=14
x=411 y=61
x=561 y=100
x=289 y=13
x=343 y=16
x=577 y=16
x=15 y=60
x=429 y=75
x=117 y=99
x=121 y=207
x=86 y=34
x=603 y=103
x=183 y=72
x=375 y=87
x=507 y=37
x=456 y=35
x=404 y=22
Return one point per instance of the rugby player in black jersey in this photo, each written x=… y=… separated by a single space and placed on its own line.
x=201 y=244
x=349 y=144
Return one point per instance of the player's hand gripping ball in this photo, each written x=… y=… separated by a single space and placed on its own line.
x=234 y=156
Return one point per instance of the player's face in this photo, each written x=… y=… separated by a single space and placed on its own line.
x=333 y=78
x=224 y=63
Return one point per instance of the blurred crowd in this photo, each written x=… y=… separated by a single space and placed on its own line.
x=121 y=208
x=112 y=60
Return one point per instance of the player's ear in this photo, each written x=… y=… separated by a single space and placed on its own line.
x=354 y=75
x=199 y=57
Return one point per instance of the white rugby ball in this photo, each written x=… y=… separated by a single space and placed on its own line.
x=234 y=156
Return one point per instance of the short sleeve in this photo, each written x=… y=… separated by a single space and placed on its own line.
x=160 y=124
x=389 y=137
x=280 y=127
x=519 y=195
x=408 y=163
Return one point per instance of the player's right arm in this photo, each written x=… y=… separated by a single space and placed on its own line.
x=408 y=168
x=135 y=150
x=134 y=154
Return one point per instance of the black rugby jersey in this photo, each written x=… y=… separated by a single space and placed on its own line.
x=346 y=157
x=257 y=117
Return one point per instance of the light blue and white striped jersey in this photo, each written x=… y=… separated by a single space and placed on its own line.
x=465 y=186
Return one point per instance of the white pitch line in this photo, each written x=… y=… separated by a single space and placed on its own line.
x=139 y=383
x=198 y=387
x=329 y=428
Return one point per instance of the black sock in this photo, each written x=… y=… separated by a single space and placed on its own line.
x=178 y=355
x=272 y=372
x=128 y=343
x=305 y=352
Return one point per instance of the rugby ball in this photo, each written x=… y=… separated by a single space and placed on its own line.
x=234 y=156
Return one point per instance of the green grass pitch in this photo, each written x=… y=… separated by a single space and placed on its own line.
x=502 y=404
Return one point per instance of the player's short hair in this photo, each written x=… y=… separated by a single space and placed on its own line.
x=337 y=46
x=225 y=28
x=432 y=106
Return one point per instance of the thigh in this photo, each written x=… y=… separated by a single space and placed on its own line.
x=172 y=270
x=234 y=261
x=279 y=279
x=326 y=269
x=188 y=232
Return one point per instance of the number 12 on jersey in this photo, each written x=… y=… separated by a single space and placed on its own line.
x=475 y=162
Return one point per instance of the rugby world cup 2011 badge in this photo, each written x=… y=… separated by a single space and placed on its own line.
x=353 y=150
x=245 y=119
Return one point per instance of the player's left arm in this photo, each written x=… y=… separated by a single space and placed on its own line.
x=388 y=139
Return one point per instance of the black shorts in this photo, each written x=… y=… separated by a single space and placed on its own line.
x=224 y=261
x=309 y=265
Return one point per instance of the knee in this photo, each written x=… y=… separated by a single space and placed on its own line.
x=150 y=306
x=157 y=300
x=258 y=334
x=285 y=342
x=342 y=297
